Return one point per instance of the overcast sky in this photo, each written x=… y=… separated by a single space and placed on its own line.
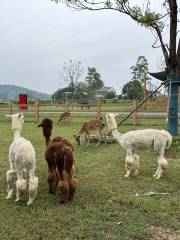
x=38 y=36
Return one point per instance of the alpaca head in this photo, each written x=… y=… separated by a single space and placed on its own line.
x=17 y=121
x=47 y=125
x=77 y=138
x=111 y=122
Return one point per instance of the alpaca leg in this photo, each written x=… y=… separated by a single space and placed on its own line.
x=136 y=165
x=72 y=188
x=11 y=177
x=21 y=185
x=129 y=162
x=159 y=147
x=157 y=171
x=64 y=187
x=52 y=181
x=72 y=184
x=162 y=162
x=33 y=186
x=128 y=170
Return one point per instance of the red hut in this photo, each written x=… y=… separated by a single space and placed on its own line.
x=23 y=102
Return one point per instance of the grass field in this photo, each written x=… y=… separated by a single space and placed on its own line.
x=105 y=205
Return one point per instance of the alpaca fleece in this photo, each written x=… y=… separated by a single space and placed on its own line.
x=21 y=156
x=133 y=140
x=60 y=159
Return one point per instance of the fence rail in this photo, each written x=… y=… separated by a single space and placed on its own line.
x=39 y=109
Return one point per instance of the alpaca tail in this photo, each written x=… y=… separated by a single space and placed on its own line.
x=68 y=157
x=168 y=136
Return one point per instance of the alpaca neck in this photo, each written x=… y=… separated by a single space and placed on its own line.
x=116 y=134
x=17 y=133
x=48 y=139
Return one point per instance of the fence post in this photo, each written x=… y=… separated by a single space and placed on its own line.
x=98 y=108
x=36 y=105
x=66 y=109
x=145 y=89
x=10 y=108
x=134 y=115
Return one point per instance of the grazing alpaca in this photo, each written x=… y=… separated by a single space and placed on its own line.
x=132 y=140
x=21 y=156
x=65 y=117
x=60 y=160
x=87 y=127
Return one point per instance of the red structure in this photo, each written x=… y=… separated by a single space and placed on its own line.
x=23 y=101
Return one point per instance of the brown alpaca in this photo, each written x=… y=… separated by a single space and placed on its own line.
x=87 y=127
x=65 y=117
x=60 y=160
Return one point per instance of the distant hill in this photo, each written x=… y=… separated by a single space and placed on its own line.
x=11 y=92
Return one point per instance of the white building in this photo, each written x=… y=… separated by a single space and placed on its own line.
x=102 y=92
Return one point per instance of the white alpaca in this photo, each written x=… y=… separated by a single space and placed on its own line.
x=132 y=140
x=21 y=156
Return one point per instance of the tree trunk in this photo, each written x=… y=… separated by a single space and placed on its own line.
x=173 y=32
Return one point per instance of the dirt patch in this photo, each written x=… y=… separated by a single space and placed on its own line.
x=161 y=233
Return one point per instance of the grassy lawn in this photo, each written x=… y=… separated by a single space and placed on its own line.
x=105 y=205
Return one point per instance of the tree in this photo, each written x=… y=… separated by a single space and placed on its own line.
x=81 y=89
x=60 y=93
x=133 y=90
x=110 y=95
x=139 y=69
x=93 y=81
x=139 y=72
x=156 y=22
x=70 y=74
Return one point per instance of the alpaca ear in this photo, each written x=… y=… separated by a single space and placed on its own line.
x=7 y=115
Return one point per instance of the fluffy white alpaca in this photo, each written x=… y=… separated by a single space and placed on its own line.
x=132 y=140
x=21 y=156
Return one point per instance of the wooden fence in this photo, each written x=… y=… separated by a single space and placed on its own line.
x=39 y=110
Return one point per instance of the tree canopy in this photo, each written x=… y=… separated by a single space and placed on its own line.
x=147 y=17
x=70 y=74
x=133 y=90
x=76 y=89
x=93 y=81
x=139 y=69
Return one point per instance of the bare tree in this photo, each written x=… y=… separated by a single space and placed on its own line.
x=70 y=74
x=157 y=23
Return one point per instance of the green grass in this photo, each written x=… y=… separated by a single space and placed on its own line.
x=105 y=205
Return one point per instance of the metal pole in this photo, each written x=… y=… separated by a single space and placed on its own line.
x=172 y=125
